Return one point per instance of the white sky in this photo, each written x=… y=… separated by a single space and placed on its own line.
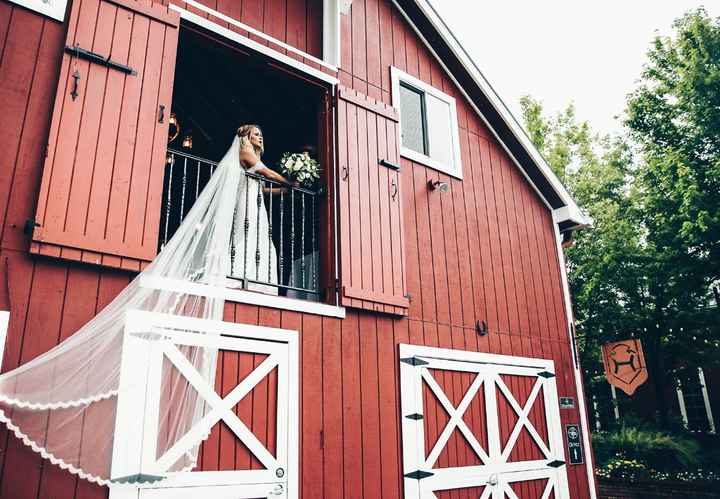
x=590 y=52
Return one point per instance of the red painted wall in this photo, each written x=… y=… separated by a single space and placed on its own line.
x=483 y=251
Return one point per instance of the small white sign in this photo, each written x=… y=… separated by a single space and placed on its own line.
x=51 y=8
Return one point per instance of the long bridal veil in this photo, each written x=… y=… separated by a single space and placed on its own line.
x=63 y=403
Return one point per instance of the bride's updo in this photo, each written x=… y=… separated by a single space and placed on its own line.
x=244 y=133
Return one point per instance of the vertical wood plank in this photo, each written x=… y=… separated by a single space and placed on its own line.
x=352 y=420
x=332 y=404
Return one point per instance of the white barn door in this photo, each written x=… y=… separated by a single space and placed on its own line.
x=481 y=425
x=157 y=375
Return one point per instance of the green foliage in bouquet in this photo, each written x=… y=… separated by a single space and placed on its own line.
x=300 y=167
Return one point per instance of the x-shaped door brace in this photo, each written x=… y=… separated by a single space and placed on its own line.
x=510 y=493
x=456 y=418
x=221 y=409
x=523 y=420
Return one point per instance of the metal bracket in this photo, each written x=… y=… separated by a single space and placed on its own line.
x=546 y=374
x=393 y=166
x=76 y=83
x=29 y=226
x=415 y=417
x=556 y=464
x=82 y=53
x=418 y=474
x=414 y=361
x=138 y=478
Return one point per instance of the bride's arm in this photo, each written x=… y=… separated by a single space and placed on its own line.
x=249 y=160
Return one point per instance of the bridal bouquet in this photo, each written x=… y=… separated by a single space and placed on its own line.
x=300 y=167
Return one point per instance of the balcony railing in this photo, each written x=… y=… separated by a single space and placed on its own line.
x=293 y=231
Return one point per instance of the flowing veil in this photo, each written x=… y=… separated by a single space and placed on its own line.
x=63 y=403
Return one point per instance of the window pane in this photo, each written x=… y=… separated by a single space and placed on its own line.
x=411 y=119
x=440 y=130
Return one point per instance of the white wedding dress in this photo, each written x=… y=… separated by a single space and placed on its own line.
x=252 y=251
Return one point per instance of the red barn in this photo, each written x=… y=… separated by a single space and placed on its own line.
x=420 y=322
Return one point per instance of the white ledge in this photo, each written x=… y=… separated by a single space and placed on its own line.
x=242 y=296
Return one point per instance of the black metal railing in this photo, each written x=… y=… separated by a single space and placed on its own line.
x=287 y=263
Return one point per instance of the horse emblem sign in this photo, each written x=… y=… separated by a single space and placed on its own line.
x=624 y=363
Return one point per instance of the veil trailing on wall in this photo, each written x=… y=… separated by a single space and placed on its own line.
x=63 y=403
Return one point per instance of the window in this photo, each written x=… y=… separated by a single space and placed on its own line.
x=428 y=124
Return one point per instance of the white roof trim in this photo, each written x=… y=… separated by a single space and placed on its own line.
x=571 y=210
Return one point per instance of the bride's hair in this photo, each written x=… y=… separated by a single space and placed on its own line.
x=244 y=133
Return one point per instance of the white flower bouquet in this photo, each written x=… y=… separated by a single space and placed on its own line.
x=300 y=167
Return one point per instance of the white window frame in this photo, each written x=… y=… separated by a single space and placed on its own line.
x=455 y=170
x=258 y=47
x=54 y=9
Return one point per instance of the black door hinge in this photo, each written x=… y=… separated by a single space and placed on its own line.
x=546 y=374
x=29 y=226
x=556 y=464
x=418 y=474
x=88 y=55
x=415 y=417
x=414 y=361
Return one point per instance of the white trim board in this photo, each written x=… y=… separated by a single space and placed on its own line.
x=242 y=296
x=4 y=323
x=257 y=47
x=577 y=374
x=54 y=9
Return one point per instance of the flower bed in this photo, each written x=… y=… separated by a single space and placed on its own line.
x=652 y=489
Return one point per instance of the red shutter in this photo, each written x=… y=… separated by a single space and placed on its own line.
x=372 y=253
x=102 y=182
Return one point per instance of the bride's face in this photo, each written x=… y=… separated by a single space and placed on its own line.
x=256 y=138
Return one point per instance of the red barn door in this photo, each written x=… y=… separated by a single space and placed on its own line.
x=102 y=182
x=372 y=255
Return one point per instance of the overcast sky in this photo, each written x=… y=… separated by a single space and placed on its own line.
x=587 y=51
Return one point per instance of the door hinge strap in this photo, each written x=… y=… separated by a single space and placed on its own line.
x=556 y=464
x=414 y=361
x=138 y=478
x=415 y=417
x=88 y=55
x=29 y=226
x=418 y=474
x=545 y=374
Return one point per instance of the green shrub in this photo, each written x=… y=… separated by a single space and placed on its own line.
x=657 y=450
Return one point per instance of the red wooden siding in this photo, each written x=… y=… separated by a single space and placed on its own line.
x=372 y=252
x=483 y=251
x=102 y=182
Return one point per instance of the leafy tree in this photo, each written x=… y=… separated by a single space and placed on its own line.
x=647 y=265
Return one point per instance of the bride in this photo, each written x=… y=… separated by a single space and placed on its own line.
x=252 y=251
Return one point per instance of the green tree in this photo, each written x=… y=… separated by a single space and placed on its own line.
x=646 y=266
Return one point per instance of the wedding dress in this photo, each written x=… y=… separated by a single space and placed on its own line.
x=63 y=403
x=252 y=251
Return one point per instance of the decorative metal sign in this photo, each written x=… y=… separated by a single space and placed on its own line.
x=575 y=452
x=567 y=403
x=624 y=363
